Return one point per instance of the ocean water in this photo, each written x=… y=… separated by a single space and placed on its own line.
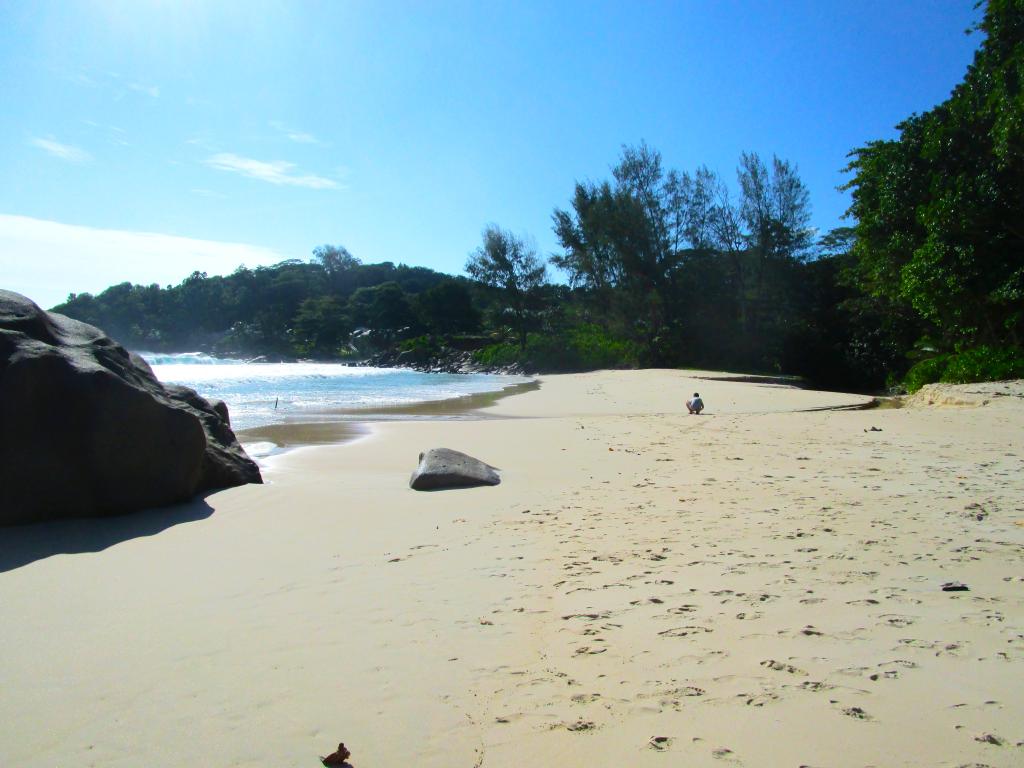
x=259 y=394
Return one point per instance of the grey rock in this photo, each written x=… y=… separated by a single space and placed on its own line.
x=221 y=409
x=86 y=429
x=444 y=468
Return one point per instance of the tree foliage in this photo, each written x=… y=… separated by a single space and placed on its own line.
x=290 y=309
x=940 y=227
x=670 y=261
x=448 y=308
x=511 y=266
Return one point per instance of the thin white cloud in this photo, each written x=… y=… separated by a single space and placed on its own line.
x=62 y=151
x=112 y=133
x=299 y=137
x=275 y=172
x=202 y=141
x=113 y=82
x=302 y=138
x=47 y=260
x=149 y=90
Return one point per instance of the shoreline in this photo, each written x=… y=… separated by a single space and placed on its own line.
x=341 y=425
x=334 y=426
x=759 y=585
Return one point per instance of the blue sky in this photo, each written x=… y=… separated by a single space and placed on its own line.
x=144 y=139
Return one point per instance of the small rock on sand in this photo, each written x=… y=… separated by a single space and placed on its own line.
x=444 y=468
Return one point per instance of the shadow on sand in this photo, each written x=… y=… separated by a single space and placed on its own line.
x=24 y=544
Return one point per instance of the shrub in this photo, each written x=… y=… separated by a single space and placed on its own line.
x=985 y=364
x=426 y=344
x=590 y=347
x=968 y=366
x=582 y=348
x=498 y=355
x=925 y=372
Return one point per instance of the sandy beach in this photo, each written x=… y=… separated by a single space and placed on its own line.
x=759 y=585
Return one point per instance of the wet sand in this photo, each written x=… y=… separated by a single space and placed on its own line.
x=340 y=425
x=760 y=586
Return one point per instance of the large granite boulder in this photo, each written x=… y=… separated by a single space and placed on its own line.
x=86 y=429
x=445 y=468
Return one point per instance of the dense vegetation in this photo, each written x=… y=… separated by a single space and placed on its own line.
x=940 y=214
x=290 y=309
x=677 y=268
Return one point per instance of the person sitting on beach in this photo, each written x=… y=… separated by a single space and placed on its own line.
x=695 y=404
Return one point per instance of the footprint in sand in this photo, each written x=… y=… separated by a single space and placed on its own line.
x=810 y=631
x=890 y=668
x=816 y=686
x=758 y=699
x=671 y=696
x=685 y=631
x=579 y=726
x=938 y=646
x=689 y=690
x=725 y=754
x=780 y=666
x=688 y=608
x=857 y=713
x=651 y=600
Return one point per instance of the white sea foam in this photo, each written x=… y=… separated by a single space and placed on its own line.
x=267 y=393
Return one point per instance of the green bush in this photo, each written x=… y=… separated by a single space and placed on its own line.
x=985 y=364
x=590 y=347
x=926 y=372
x=498 y=355
x=582 y=348
x=968 y=366
x=425 y=344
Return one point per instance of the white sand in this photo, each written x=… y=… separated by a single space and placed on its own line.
x=758 y=585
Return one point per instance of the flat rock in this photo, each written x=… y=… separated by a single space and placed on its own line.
x=444 y=468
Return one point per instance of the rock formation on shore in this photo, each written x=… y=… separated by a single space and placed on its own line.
x=86 y=428
x=444 y=468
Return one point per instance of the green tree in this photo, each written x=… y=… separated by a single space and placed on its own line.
x=621 y=244
x=939 y=210
x=383 y=308
x=334 y=258
x=322 y=326
x=448 y=308
x=654 y=245
x=761 y=235
x=511 y=266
